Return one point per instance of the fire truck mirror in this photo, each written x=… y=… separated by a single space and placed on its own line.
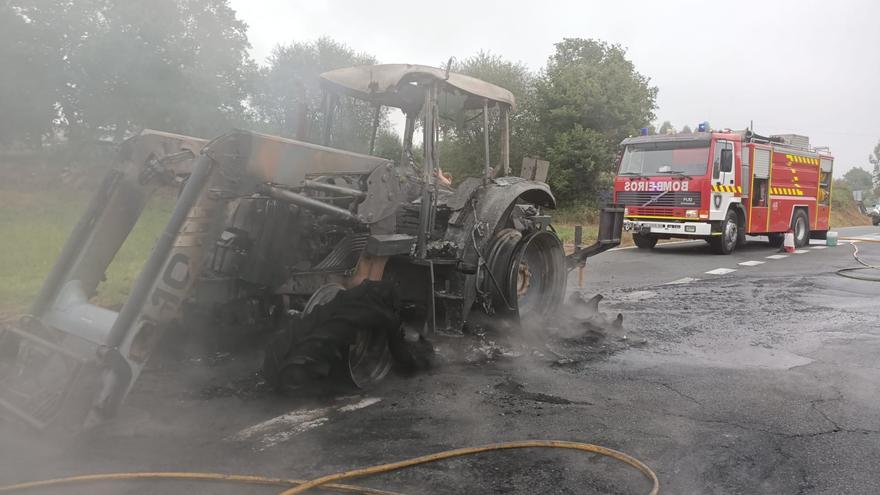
x=727 y=160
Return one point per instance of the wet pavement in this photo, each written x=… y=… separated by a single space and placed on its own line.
x=759 y=377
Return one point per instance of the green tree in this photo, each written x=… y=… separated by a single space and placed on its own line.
x=33 y=75
x=686 y=130
x=461 y=148
x=176 y=65
x=289 y=88
x=581 y=160
x=859 y=179
x=666 y=127
x=875 y=160
x=589 y=98
x=389 y=144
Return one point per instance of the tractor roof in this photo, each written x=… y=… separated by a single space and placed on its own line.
x=402 y=85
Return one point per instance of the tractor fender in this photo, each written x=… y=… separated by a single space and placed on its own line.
x=481 y=213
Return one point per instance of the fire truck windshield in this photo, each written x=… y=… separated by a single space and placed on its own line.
x=679 y=158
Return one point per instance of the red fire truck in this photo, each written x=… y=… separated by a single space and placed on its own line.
x=722 y=186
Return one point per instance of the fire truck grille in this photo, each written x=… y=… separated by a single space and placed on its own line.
x=678 y=198
x=666 y=212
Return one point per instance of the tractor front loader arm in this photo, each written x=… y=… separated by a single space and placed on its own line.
x=69 y=362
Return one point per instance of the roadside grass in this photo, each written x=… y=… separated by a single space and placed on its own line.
x=36 y=224
x=565 y=219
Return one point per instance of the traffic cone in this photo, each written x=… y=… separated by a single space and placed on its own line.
x=788 y=242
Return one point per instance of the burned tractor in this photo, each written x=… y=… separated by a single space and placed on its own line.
x=266 y=229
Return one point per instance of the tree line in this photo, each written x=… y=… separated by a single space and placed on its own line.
x=104 y=69
x=868 y=183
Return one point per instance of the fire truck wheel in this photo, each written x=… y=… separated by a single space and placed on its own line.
x=741 y=232
x=645 y=241
x=801 y=227
x=726 y=242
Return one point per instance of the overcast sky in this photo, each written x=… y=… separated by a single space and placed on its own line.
x=804 y=67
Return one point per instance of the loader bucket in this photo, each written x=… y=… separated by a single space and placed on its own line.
x=69 y=362
x=39 y=382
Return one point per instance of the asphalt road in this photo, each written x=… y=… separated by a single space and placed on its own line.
x=726 y=378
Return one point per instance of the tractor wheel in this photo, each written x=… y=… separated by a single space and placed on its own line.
x=536 y=277
x=369 y=358
x=801 y=227
x=525 y=274
x=645 y=241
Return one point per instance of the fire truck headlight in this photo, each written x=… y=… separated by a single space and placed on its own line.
x=625 y=211
x=704 y=213
x=690 y=213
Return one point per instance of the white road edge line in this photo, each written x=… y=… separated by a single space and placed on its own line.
x=800 y=251
x=685 y=280
x=818 y=247
x=777 y=256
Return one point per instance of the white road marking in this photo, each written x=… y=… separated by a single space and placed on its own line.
x=284 y=427
x=800 y=251
x=721 y=271
x=685 y=280
x=752 y=263
x=818 y=247
x=777 y=256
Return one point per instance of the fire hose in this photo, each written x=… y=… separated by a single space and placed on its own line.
x=328 y=482
x=849 y=272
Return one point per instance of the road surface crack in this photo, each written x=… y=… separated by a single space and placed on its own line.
x=747 y=427
x=677 y=392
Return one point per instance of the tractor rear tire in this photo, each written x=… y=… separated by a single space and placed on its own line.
x=647 y=241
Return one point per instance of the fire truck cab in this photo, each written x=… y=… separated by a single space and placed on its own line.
x=722 y=186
